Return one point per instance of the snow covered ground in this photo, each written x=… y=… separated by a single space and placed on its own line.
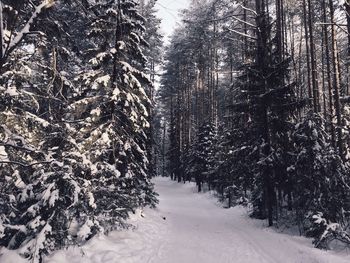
x=188 y=228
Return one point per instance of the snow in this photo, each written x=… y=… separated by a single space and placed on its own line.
x=85 y=230
x=37 y=243
x=99 y=57
x=121 y=45
x=91 y=200
x=135 y=36
x=188 y=227
x=3 y=154
x=33 y=117
x=105 y=138
x=10 y=256
x=11 y=91
x=104 y=80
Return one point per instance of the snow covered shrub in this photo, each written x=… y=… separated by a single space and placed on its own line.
x=327 y=231
x=45 y=208
x=43 y=189
x=321 y=183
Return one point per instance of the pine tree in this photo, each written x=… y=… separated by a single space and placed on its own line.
x=319 y=178
x=153 y=53
x=117 y=111
x=74 y=123
x=44 y=191
x=200 y=159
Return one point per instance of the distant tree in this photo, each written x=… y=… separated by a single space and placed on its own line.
x=200 y=158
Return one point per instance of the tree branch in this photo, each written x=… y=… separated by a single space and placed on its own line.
x=240 y=33
x=25 y=165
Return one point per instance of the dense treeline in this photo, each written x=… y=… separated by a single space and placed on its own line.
x=75 y=119
x=255 y=100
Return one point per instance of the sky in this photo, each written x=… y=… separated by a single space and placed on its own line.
x=168 y=12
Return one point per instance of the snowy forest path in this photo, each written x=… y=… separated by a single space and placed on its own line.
x=188 y=227
x=199 y=230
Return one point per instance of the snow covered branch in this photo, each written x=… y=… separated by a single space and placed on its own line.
x=240 y=33
x=17 y=39
x=23 y=164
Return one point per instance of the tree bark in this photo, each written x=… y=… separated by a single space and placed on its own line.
x=328 y=71
x=1 y=37
x=347 y=11
x=315 y=88
x=307 y=51
x=336 y=82
x=263 y=60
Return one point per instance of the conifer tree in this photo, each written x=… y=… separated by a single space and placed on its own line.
x=200 y=159
x=74 y=123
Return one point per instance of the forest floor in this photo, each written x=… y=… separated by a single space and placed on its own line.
x=188 y=227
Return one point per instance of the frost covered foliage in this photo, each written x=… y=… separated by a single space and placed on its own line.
x=73 y=122
x=319 y=176
x=328 y=231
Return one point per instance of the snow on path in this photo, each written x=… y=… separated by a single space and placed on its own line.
x=195 y=229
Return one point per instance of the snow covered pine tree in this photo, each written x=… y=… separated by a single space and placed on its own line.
x=71 y=172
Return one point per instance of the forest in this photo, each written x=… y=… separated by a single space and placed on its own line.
x=254 y=104
x=249 y=99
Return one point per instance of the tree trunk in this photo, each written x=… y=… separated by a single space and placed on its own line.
x=1 y=38
x=328 y=71
x=315 y=88
x=347 y=10
x=307 y=51
x=263 y=60
x=336 y=82
x=163 y=149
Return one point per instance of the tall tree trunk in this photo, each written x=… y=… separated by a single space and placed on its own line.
x=163 y=148
x=347 y=10
x=328 y=71
x=315 y=88
x=118 y=37
x=279 y=32
x=262 y=59
x=1 y=37
x=336 y=82
x=172 y=136
x=324 y=101
x=307 y=51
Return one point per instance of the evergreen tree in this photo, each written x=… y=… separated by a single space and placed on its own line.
x=153 y=52
x=319 y=178
x=117 y=111
x=74 y=123
x=201 y=156
x=43 y=190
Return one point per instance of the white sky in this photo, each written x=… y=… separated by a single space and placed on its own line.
x=168 y=12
